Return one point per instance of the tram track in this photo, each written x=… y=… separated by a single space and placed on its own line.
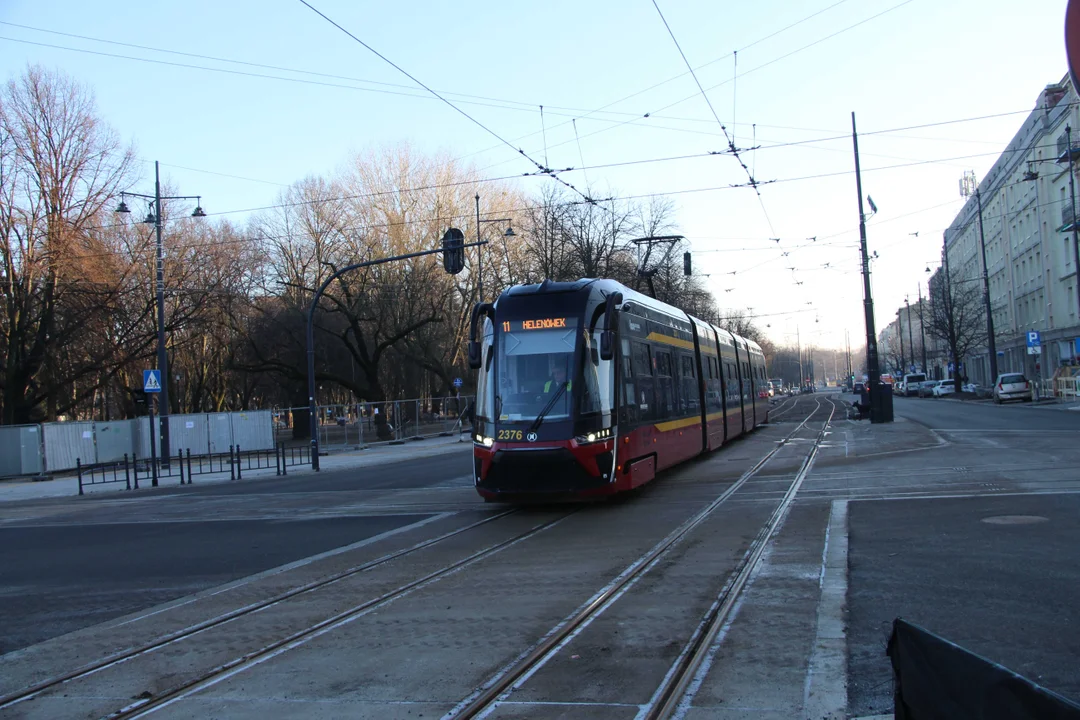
x=193 y=630
x=484 y=700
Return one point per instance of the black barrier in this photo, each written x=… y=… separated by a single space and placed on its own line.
x=935 y=678
x=99 y=474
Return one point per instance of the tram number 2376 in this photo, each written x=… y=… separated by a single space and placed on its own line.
x=510 y=435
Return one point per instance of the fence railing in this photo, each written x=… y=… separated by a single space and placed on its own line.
x=186 y=466
x=392 y=422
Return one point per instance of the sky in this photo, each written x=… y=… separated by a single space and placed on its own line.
x=197 y=96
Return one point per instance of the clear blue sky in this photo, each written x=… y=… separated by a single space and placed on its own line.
x=919 y=62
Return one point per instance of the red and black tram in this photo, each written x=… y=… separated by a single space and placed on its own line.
x=589 y=388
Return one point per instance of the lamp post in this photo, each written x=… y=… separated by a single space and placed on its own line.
x=153 y=217
x=969 y=186
x=479 y=250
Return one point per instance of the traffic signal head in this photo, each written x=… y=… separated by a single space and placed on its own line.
x=686 y=263
x=453 y=243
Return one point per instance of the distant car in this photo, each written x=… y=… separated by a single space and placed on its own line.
x=1012 y=386
x=970 y=388
x=859 y=388
x=942 y=388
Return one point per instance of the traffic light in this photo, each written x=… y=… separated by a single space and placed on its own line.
x=686 y=263
x=453 y=243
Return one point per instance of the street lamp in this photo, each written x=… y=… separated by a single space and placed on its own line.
x=479 y=249
x=153 y=217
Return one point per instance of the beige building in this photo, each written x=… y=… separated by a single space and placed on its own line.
x=1027 y=216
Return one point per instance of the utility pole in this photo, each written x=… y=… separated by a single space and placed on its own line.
x=877 y=413
x=900 y=334
x=910 y=337
x=798 y=346
x=968 y=186
x=922 y=329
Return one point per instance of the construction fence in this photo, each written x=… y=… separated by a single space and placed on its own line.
x=27 y=450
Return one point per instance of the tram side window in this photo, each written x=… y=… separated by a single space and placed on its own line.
x=628 y=400
x=713 y=401
x=646 y=403
x=666 y=400
x=688 y=386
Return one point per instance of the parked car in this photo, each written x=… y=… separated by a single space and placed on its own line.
x=926 y=389
x=859 y=388
x=913 y=382
x=941 y=388
x=1012 y=386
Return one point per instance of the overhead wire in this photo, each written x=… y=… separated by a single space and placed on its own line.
x=548 y=171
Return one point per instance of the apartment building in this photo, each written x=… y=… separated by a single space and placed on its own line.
x=1028 y=226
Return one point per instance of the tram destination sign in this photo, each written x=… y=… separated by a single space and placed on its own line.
x=548 y=323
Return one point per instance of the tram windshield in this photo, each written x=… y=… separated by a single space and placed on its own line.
x=531 y=366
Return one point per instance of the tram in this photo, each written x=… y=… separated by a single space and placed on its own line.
x=588 y=388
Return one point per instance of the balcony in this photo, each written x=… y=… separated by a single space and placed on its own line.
x=1063 y=148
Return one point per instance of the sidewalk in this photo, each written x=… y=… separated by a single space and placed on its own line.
x=15 y=490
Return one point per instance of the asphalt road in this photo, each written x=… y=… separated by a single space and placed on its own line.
x=71 y=563
x=993 y=569
x=943 y=414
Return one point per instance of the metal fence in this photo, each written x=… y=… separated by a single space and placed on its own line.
x=186 y=466
x=392 y=422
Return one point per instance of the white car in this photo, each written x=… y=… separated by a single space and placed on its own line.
x=1012 y=386
x=943 y=387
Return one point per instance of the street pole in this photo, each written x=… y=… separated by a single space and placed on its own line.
x=1072 y=199
x=479 y=254
x=946 y=300
x=910 y=336
x=872 y=368
x=163 y=356
x=900 y=334
x=922 y=329
x=991 y=342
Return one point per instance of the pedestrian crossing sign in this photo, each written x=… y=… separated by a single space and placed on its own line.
x=151 y=380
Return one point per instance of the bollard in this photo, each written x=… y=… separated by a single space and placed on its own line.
x=239 y=467
x=284 y=461
x=127 y=472
x=277 y=459
x=189 y=466
x=180 y=464
x=232 y=465
x=78 y=467
x=135 y=468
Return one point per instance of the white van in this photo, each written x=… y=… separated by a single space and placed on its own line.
x=912 y=383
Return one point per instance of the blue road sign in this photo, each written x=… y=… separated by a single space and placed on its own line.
x=458 y=382
x=1033 y=339
x=151 y=381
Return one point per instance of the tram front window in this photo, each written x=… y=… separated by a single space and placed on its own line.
x=532 y=366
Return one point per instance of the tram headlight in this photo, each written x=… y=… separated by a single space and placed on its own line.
x=596 y=436
x=485 y=441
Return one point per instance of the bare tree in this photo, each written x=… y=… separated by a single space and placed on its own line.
x=60 y=167
x=956 y=316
